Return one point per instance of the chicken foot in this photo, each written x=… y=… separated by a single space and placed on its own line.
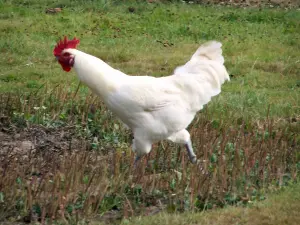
x=191 y=154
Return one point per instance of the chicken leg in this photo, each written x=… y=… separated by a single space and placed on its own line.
x=191 y=154
x=140 y=147
x=183 y=137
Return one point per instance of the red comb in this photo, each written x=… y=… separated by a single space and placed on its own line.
x=64 y=44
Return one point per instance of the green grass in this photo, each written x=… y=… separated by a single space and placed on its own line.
x=280 y=208
x=261 y=47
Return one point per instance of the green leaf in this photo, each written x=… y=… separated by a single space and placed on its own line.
x=173 y=184
x=1 y=197
x=215 y=124
x=86 y=179
x=213 y=158
x=19 y=181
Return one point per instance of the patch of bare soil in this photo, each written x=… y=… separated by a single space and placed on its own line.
x=38 y=138
x=35 y=143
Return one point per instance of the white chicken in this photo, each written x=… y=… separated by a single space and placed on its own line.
x=154 y=108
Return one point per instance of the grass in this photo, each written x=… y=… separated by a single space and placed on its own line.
x=80 y=160
x=260 y=47
x=280 y=208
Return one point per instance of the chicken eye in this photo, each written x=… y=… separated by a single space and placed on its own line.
x=66 y=54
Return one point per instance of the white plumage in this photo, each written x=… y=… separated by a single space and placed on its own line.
x=156 y=108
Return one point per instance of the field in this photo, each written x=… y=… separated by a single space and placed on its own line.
x=65 y=159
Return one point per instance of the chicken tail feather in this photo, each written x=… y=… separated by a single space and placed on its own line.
x=209 y=51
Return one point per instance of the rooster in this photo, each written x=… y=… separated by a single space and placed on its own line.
x=154 y=108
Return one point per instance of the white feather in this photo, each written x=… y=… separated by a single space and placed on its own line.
x=156 y=108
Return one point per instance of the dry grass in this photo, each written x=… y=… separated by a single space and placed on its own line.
x=240 y=162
